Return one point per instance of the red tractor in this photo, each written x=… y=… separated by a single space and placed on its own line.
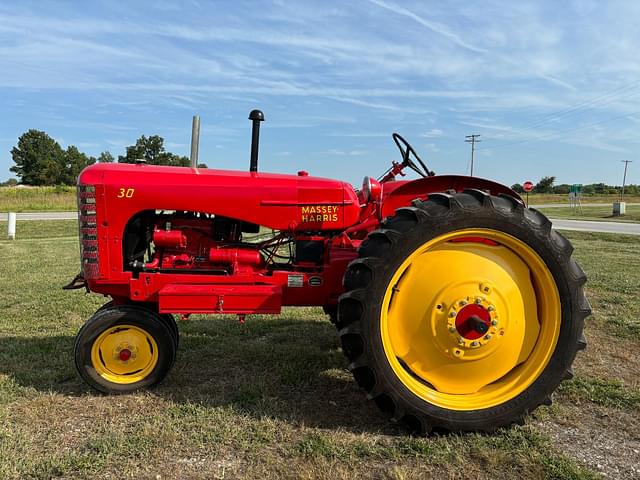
x=458 y=308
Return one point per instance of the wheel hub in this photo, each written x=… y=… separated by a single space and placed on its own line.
x=125 y=352
x=473 y=323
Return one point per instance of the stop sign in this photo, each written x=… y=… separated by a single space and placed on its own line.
x=527 y=186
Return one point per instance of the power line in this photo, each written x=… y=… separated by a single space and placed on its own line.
x=603 y=99
x=559 y=135
x=598 y=101
x=472 y=139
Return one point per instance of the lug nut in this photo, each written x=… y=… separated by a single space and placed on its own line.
x=461 y=342
x=487 y=337
x=452 y=329
x=494 y=322
x=474 y=344
x=453 y=313
x=478 y=301
x=491 y=308
x=462 y=303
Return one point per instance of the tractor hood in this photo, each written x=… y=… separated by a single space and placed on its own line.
x=278 y=201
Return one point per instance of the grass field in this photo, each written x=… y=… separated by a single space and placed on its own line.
x=542 y=198
x=603 y=213
x=272 y=398
x=37 y=199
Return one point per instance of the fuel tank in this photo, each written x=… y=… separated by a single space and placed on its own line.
x=278 y=201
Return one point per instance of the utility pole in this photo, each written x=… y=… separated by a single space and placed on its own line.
x=624 y=178
x=472 y=139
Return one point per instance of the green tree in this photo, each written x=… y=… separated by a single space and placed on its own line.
x=545 y=185
x=38 y=158
x=105 y=157
x=152 y=150
x=517 y=187
x=74 y=162
x=563 y=188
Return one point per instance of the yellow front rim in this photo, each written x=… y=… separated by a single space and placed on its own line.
x=124 y=354
x=480 y=277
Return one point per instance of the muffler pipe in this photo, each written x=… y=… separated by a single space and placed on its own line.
x=256 y=116
x=195 y=140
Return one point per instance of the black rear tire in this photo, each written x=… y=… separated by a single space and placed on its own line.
x=381 y=254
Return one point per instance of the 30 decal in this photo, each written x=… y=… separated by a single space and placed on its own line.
x=126 y=192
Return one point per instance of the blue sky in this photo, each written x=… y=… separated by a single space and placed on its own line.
x=552 y=87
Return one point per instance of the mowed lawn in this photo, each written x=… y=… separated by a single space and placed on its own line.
x=272 y=398
x=598 y=213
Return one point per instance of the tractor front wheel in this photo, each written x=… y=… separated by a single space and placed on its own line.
x=167 y=318
x=123 y=348
x=463 y=312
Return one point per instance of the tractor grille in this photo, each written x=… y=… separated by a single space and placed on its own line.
x=88 y=231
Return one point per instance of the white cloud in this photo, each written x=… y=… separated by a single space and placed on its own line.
x=433 y=133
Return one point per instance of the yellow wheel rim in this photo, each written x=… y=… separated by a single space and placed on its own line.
x=124 y=354
x=470 y=319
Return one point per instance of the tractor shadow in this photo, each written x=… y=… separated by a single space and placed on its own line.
x=288 y=369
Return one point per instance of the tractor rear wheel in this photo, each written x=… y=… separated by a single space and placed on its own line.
x=463 y=312
x=123 y=348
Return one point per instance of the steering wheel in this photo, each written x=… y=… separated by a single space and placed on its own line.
x=406 y=150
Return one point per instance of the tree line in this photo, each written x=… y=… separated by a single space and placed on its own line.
x=547 y=185
x=40 y=160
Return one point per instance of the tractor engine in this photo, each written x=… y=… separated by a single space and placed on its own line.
x=200 y=243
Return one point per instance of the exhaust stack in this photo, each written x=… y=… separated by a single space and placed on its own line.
x=195 y=140
x=256 y=116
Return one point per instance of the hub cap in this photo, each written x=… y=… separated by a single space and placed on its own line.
x=124 y=354
x=470 y=319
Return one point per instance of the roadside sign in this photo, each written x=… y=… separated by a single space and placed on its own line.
x=575 y=192
x=527 y=187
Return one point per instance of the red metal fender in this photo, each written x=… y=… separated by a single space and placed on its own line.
x=396 y=196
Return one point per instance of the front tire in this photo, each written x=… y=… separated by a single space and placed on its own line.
x=123 y=348
x=464 y=312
